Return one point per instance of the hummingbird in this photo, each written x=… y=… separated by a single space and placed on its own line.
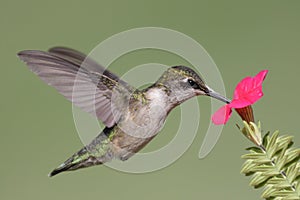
x=132 y=117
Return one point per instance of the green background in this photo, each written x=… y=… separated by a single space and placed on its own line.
x=37 y=128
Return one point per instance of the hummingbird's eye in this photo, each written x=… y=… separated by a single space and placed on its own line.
x=193 y=84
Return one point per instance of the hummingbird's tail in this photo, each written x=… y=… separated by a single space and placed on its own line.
x=96 y=153
x=63 y=167
x=79 y=160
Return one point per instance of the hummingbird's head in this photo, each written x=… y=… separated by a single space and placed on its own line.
x=185 y=83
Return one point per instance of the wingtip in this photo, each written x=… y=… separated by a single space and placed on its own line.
x=58 y=48
x=23 y=54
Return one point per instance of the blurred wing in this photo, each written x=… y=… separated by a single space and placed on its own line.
x=81 y=80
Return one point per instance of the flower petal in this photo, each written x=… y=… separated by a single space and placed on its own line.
x=260 y=77
x=222 y=115
x=249 y=90
x=246 y=93
x=248 y=98
x=239 y=103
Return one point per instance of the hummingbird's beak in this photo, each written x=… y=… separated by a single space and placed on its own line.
x=216 y=95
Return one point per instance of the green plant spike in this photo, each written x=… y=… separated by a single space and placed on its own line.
x=272 y=163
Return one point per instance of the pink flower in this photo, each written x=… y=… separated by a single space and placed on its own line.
x=246 y=93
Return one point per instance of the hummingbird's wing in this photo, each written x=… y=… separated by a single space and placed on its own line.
x=81 y=80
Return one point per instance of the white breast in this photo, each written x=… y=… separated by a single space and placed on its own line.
x=148 y=119
x=157 y=97
x=158 y=106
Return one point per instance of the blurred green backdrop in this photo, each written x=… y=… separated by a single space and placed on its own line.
x=37 y=128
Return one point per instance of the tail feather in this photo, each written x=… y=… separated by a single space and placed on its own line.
x=60 y=169
x=96 y=153
x=78 y=160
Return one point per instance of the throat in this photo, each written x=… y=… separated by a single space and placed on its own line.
x=161 y=97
